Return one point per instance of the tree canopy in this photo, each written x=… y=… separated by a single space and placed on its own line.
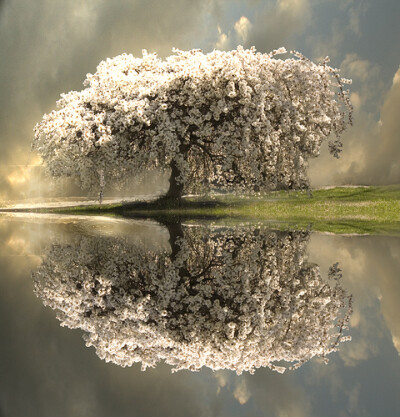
x=238 y=120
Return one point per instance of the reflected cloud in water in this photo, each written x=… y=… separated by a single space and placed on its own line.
x=236 y=298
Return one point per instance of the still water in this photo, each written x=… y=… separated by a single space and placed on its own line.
x=195 y=320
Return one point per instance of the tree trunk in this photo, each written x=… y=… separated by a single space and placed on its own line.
x=175 y=190
x=102 y=184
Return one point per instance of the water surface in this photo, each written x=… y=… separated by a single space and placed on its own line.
x=70 y=264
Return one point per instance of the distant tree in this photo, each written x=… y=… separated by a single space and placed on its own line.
x=231 y=298
x=237 y=120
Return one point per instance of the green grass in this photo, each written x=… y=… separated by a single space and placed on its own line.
x=337 y=210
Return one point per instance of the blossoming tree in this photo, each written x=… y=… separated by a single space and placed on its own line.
x=237 y=120
x=228 y=298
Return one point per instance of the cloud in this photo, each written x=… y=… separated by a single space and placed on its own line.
x=241 y=392
x=233 y=38
x=396 y=78
x=396 y=343
x=378 y=144
x=222 y=378
x=354 y=400
x=334 y=30
x=223 y=43
x=371 y=151
x=370 y=267
x=50 y=367
x=279 y=25
x=242 y=27
x=356 y=101
x=385 y=164
x=360 y=69
x=389 y=267
x=361 y=350
x=358 y=141
x=48 y=48
x=273 y=26
x=281 y=396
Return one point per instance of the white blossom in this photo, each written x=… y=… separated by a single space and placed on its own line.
x=238 y=120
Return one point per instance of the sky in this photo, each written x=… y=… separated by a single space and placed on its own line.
x=47 y=47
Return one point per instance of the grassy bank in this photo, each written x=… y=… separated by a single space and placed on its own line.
x=337 y=210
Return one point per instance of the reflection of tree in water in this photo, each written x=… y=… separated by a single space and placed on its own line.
x=239 y=298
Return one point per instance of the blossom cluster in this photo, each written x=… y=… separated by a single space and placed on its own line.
x=239 y=120
x=229 y=298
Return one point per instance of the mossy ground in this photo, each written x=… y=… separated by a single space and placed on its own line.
x=336 y=210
